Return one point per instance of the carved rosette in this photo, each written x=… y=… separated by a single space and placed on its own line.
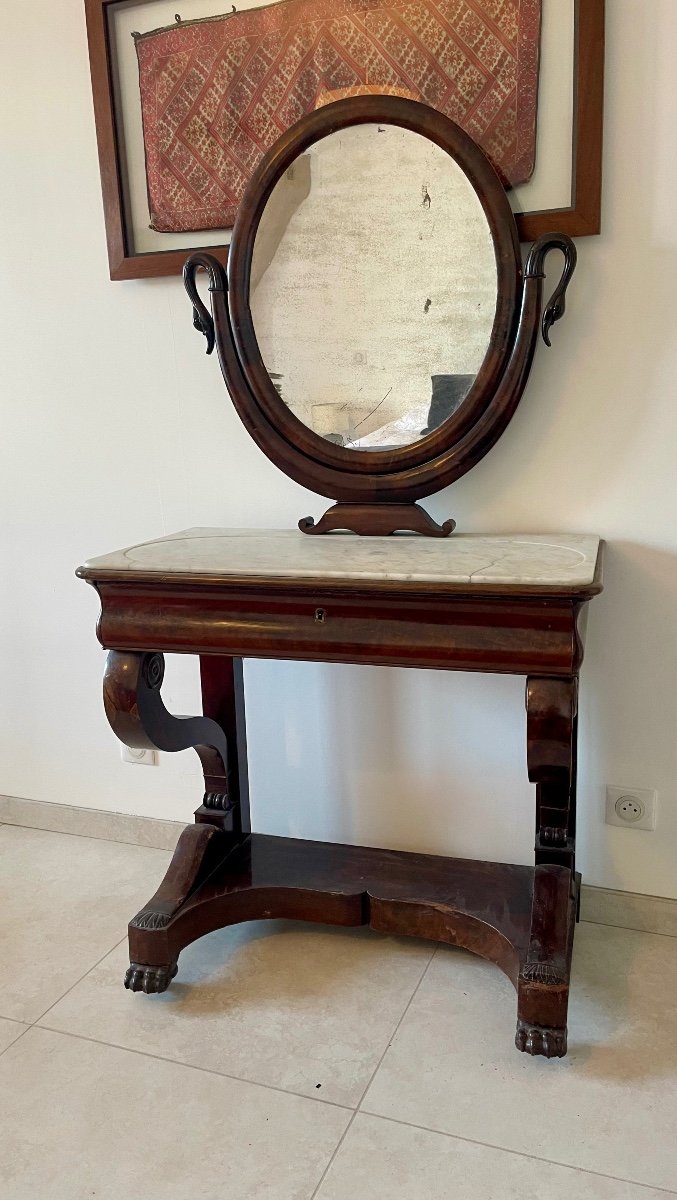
x=153 y=670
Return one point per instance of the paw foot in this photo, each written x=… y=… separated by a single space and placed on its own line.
x=149 y=979
x=537 y=1039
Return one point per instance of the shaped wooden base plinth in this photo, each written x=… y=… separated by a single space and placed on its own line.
x=377 y=520
x=519 y=918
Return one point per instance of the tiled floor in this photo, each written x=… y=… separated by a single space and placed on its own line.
x=288 y=1062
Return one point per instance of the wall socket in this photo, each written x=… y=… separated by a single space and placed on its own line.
x=143 y=758
x=632 y=808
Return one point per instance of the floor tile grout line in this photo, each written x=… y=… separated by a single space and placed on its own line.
x=393 y=1035
x=359 y=1111
x=77 y=981
x=518 y=1153
x=18 y=1038
x=268 y=1087
x=333 y=1155
x=348 y=1127
x=206 y=1070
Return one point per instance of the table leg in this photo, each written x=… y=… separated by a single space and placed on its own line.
x=222 y=680
x=543 y=983
x=551 y=757
x=153 y=960
x=137 y=715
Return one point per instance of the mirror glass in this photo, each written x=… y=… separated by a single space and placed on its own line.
x=373 y=287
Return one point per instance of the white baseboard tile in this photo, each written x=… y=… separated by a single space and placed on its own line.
x=90 y=822
x=629 y=910
x=602 y=906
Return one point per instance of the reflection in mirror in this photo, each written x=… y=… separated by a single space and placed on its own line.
x=373 y=287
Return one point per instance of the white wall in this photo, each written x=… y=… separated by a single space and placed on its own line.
x=116 y=427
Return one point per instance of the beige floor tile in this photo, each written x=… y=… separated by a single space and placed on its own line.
x=380 y=1160
x=93 y=1121
x=610 y=1106
x=9 y=1032
x=65 y=902
x=288 y=1005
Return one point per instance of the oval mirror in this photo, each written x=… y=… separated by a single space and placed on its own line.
x=376 y=326
x=373 y=287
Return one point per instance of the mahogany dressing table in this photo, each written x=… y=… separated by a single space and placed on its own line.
x=419 y=599
x=471 y=604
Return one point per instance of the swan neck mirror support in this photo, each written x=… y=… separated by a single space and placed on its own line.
x=375 y=327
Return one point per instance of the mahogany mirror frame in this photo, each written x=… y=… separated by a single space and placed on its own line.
x=375 y=491
x=422 y=120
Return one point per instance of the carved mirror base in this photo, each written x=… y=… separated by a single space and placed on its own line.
x=377 y=519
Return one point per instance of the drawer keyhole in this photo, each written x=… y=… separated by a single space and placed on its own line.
x=321 y=615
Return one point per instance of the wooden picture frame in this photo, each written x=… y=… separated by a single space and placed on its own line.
x=581 y=218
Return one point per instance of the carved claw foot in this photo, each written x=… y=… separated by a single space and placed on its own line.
x=140 y=978
x=536 y=1039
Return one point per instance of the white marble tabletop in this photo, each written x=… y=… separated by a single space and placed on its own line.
x=561 y=561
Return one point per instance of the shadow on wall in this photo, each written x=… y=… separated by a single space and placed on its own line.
x=429 y=761
x=585 y=430
x=435 y=761
x=628 y=730
x=585 y=433
x=439 y=765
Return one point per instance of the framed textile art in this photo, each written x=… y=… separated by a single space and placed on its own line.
x=187 y=103
x=218 y=92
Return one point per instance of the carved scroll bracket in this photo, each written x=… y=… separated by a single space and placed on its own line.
x=138 y=717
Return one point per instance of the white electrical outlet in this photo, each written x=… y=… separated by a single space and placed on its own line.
x=143 y=758
x=633 y=808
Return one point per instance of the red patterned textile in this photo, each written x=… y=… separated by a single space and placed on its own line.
x=216 y=93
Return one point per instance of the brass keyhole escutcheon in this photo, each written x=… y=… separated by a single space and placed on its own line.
x=321 y=615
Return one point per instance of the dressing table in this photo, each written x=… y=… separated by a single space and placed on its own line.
x=345 y=589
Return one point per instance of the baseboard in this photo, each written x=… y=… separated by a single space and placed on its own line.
x=90 y=822
x=602 y=906
x=629 y=910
